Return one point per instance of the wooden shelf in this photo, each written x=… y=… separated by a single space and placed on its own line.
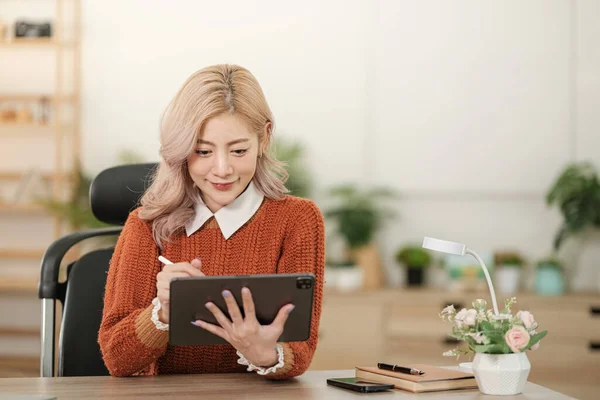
x=19 y=367
x=34 y=42
x=24 y=125
x=19 y=284
x=22 y=208
x=16 y=176
x=19 y=332
x=22 y=254
x=33 y=97
x=31 y=129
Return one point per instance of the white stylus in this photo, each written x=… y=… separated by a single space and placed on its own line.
x=164 y=260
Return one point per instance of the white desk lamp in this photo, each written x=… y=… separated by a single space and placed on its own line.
x=460 y=250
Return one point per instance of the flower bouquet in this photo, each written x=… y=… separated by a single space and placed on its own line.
x=499 y=342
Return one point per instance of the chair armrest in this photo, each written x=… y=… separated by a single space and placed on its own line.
x=48 y=287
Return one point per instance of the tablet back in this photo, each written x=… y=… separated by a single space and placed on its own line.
x=269 y=292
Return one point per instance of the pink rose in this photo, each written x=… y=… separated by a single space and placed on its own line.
x=517 y=338
x=527 y=318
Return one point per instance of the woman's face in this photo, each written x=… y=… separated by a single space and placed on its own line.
x=224 y=160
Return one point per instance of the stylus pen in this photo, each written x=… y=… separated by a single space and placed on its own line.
x=164 y=260
x=397 y=368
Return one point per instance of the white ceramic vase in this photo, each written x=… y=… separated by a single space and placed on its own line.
x=349 y=279
x=501 y=374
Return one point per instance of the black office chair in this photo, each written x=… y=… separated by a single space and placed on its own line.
x=113 y=194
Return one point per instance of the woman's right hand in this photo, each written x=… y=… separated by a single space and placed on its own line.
x=164 y=278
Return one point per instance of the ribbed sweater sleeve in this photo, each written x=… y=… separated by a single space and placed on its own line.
x=129 y=341
x=303 y=251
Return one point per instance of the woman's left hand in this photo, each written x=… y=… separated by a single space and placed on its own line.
x=255 y=341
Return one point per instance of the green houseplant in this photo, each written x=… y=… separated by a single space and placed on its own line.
x=292 y=154
x=359 y=214
x=416 y=259
x=577 y=194
x=75 y=210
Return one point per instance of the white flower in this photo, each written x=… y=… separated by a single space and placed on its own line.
x=481 y=316
x=449 y=309
x=450 y=353
x=466 y=317
x=480 y=338
x=479 y=304
x=527 y=319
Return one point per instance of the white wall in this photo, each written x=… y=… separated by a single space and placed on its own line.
x=468 y=108
x=309 y=59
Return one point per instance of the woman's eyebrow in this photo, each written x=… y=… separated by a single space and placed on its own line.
x=236 y=141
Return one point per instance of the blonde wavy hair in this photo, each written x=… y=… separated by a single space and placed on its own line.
x=212 y=91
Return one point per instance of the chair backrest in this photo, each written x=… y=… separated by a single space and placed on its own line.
x=113 y=194
x=116 y=191
x=79 y=351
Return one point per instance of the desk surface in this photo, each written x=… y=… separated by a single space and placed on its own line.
x=311 y=385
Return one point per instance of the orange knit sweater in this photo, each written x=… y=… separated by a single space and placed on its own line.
x=284 y=236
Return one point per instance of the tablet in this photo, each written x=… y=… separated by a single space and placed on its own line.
x=269 y=292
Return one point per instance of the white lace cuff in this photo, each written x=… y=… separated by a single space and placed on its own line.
x=260 y=370
x=161 y=326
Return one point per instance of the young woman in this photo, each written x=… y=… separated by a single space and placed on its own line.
x=217 y=206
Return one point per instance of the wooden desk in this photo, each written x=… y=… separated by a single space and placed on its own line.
x=402 y=326
x=311 y=385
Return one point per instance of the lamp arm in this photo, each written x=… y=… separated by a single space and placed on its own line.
x=487 y=277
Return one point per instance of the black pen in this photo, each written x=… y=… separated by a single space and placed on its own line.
x=397 y=368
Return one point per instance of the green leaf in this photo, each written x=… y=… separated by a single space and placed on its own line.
x=488 y=348
x=576 y=193
x=292 y=154
x=534 y=339
x=487 y=326
x=495 y=337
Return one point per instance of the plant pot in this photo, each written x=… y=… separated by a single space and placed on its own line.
x=331 y=276
x=349 y=279
x=367 y=258
x=549 y=281
x=585 y=260
x=501 y=374
x=507 y=279
x=415 y=276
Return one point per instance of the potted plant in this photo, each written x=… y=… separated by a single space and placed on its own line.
x=415 y=259
x=344 y=276
x=576 y=192
x=508 y=271
x=500 y=342
x=359 y=214
x=549 y=277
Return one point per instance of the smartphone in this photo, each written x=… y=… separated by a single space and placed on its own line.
x=358 y=386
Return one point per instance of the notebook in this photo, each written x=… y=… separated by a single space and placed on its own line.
x=435 y=378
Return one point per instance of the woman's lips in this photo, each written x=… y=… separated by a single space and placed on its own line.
x=222 y=186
